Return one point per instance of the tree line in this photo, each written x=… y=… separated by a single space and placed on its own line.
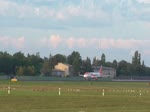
x=34 y=65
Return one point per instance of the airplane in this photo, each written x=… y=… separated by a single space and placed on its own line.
x=94 y=75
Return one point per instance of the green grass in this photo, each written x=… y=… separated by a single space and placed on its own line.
x=75 y=97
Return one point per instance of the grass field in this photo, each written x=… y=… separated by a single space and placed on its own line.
x=75 y=97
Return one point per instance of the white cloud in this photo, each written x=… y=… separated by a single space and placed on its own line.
x=74 y=11
x=4 y=41
x=144 y=1
x=70 y=42
x=4 y=5
x=86 y=10
x=56 y=41
x=53 y=41
x=82 y=42
x=17 y=43
x=60 y=16
x=37 y=11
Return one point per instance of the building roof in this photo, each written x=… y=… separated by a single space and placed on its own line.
x=67 y=64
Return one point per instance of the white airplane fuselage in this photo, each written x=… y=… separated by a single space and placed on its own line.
x=91 y=75
x=94 y=75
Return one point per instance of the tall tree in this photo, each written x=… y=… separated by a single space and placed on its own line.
x=35 y=61
x=6 y=64
x=115 y=64
x=75 y=60
x=54 y=60
x=143 y=63
x=136 y=59
x=123 y=68
x=19 y=59
x=103 y=59
x=96 y=61
x=47 y=67
x=86 y=66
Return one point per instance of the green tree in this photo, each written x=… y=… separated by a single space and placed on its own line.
x=75 y=60
x=136 y=59
x=143 y=64
x=54 y=60
x=108 y=64
x=6 y=63
x=86 y=66
x=19 y=59
x=96 y=62
x=19 y=71
x=47 y=67
x=147 y=71
x=114 y=64
x=35 y=61
x=123 y=68
x=140 y=70
x=103 y=59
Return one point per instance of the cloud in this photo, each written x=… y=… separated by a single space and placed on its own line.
x=56 y=41
x=74 y=10
x=144 y=1
x=17 y=43
x=70 y=42
x=82 y=13
x=61 y=12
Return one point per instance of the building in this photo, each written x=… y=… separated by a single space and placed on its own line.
x=58 y=73
x=63 y=70
x=105 y=71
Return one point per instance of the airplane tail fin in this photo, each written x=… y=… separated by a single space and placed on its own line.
x=100 y=70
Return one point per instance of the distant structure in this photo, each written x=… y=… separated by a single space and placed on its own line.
x=62 y=70
x=105 y=71
x=14 y=79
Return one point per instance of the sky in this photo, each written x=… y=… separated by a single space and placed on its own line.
x=116 y=28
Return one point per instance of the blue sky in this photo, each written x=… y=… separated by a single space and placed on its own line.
x=116 y=28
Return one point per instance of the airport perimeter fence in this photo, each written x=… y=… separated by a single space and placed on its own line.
x=40 y=78
x=132 y=78
x=49 y=78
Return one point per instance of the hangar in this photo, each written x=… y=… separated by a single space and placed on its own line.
x=106 y=70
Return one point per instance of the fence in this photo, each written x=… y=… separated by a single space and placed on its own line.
x=49 y=78
x=133 y=77
x=41 y=78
